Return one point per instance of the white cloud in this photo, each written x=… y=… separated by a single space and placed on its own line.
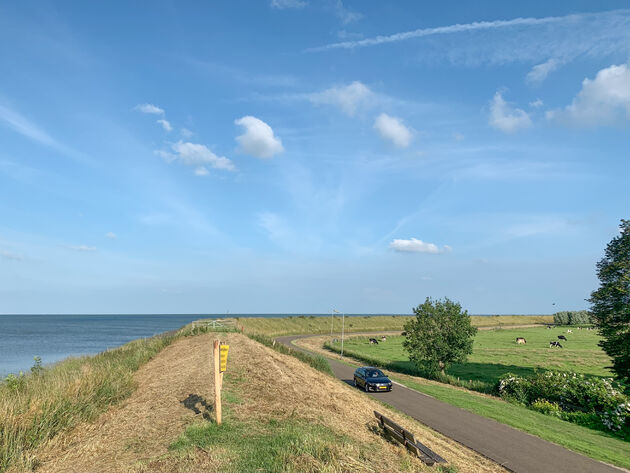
x=11 y=256
x=149 y=108
x=414 y=245
x=111 y=235
x=349 y=98
x=392 y=128
x=345 y=14
x=536 y=103
x=458 y=137
x=518 y=39
x=193 y=154
x=201 y=171
x=539 y=72
x=186 y=133
x=83 y=248
x=165 y=124
x=602 y=101
x=283 y=4
x=258 y=139
x=506 y=118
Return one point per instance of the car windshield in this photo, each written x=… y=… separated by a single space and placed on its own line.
x=374 y=374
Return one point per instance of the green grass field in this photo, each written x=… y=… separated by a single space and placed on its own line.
x=495 y=353
x=304 y=324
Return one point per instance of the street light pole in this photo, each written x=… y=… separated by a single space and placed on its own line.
x=342 y=331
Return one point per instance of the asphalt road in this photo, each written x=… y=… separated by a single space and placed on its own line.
x=513 y=449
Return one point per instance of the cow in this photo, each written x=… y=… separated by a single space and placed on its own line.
x=549 y=327
x=521 y=340
x=373 y=341
x=383 y=338
x=562 y=337
x=555 y=344
x=569 y=331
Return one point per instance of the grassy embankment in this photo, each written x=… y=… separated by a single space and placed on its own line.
x=494 y=354
x=303 y=324
x=286 y=426
x=37 y=406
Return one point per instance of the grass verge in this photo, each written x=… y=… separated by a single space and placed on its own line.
x=303 y=324
x=37 y=406
x=318 y=362
x=595 y=444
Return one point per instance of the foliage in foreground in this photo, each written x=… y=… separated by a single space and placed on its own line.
x=576 y=317
x=35 y=407
x=610 y=304
x=316 y=361
x=594 y=402
x=440 y=334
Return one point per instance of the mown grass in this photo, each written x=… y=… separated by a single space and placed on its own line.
x=316 y=361
x=593 y=443
x=300 y=325
x=37 y=406
x=495 y=353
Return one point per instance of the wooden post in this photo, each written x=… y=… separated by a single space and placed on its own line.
x=217 y=382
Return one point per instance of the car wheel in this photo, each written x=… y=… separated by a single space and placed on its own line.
x=366 y=387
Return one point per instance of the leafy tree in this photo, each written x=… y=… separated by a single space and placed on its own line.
x=440 y=334
x=610 y=304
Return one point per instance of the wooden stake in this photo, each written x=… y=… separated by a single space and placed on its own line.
x=217 y=382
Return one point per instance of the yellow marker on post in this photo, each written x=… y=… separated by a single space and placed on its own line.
x=224 y=356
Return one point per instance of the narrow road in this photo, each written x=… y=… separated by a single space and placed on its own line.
x=513 y=449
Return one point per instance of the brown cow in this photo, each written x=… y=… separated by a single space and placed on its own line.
x=521 y=340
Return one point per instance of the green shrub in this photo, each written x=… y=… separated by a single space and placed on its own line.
x=546 y=407
x=578 y=317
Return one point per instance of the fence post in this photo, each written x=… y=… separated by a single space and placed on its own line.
x=217 y=382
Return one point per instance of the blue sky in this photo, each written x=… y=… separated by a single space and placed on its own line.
x=295 y=156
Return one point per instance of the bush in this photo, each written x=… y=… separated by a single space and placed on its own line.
x=573 y=397
x=578 y=317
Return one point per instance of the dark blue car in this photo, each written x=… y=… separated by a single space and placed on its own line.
x=371 y=379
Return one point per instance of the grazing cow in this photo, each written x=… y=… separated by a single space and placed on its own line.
x=555 y=344
x=383 y=338
x=521 y=340
x=373 y=341
x=579 y=328
x=569 y=331
x=549 y=327
x=562 y=337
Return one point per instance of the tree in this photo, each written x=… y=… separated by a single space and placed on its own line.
x=610 y=304
x=440 y=334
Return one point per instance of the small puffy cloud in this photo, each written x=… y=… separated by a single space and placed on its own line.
x=348 y=98
x=258 y=139
x=166 y=125
x=201 y=171
x=194 y=154
x=536 y=103
x=149 y=108
x=111 y=235
x=539 y=72
x=11 y=256
x=83 y=248
x=602 y=101
x=392 y=129
x=458 y=137
x=284 y=4
x=505 y=117
x=413 y=245
x=345 y=14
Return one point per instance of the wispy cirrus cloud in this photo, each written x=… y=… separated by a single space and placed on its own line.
x=284 y=4
x=546 y=42
x=349 y=98
x=197 y=155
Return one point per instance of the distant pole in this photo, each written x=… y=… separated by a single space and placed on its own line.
x=342 y=331
x=217 y=382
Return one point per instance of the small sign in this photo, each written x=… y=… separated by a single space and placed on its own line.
x=223 y=357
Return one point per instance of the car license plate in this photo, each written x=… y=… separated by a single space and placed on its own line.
x=382 y=387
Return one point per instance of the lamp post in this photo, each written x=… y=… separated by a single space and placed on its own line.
x=342 y=331
x=332 y=319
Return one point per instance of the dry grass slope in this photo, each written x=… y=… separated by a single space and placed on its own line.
x=305 y=420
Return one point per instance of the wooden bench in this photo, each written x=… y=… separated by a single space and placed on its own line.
x=406 y=438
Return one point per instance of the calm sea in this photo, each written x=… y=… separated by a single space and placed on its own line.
x=55 y=337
